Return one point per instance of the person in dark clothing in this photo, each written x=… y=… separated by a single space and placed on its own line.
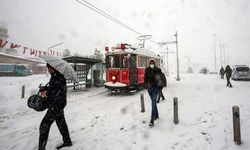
x=56 y=93
x=152 y=73
x=222 y=72
x=228 y=72
x=163 y=83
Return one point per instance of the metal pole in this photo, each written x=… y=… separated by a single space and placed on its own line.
x=164 y=58
x=177 y=55
x=215 y=69
x=164 y=55
x=221 y=55
x=23 y=91
x=142 y=103
x=236 y=125
x=76 y=74
x=224 y=56
x=54 y=46
x=167 y=63
x=176 y=110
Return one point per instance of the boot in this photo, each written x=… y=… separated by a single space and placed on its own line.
x=151 y=124
x=156 y=118
x=42 y=145
x=64 y=145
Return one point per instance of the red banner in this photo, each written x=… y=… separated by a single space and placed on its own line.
x=26 y=50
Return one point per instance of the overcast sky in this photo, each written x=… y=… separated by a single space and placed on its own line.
x=40 y=24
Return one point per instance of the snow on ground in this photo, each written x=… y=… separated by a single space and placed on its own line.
x=100 y=121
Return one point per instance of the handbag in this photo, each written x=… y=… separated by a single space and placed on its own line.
x=38 y=102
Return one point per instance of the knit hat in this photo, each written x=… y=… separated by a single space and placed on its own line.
x=151 y=61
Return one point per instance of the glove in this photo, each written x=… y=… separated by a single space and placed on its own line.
x=41 y=88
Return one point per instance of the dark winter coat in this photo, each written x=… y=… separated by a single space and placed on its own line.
x=151 y=77
x=164 y=80
x=228 y=72
x=222 y=71
x=56 y=92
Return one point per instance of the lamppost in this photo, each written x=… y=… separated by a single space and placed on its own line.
x=220 y=55
x=167 y=52
x=142 y=40
x=177 y=53
x=215 y=69
x=54 y=46
x=177 y=57
x=164 y=58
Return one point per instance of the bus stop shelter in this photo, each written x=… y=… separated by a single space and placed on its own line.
x=82 y=66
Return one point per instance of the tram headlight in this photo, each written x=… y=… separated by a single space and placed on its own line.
x=113 y=78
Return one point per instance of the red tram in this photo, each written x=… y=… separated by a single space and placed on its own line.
x=125 y=67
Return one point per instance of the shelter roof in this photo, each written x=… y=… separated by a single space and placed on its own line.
x=79 y=59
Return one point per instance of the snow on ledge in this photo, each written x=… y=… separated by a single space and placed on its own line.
x=116 y=84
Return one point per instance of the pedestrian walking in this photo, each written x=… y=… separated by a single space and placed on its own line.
x=222 y=72
x=152 y=73
x=162 y=84
x=228 y=72
x=56 y=93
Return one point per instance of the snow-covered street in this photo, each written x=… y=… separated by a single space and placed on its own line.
x=100 y=121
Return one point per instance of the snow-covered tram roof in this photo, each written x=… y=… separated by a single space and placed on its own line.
x=137 y=51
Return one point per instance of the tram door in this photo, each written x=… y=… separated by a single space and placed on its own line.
x=132 y=70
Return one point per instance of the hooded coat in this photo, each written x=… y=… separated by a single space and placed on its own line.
x=150 y=77
x=228 y=71
x=222 y=71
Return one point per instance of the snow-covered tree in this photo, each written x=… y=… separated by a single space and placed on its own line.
x=66 y=53
x=190 y=70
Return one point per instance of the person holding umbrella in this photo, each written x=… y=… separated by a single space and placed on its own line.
x=56 y=93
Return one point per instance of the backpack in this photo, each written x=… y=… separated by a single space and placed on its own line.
x=159 y=80
x=164 y=80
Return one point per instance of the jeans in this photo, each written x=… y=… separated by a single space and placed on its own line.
x=228 y=82
x=153 y=93
x=160 y=95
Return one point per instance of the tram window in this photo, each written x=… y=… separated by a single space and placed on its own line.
x=124 y=62
x=117 y=61
x=143 y=62
x=114 y=61
x=111 y=61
